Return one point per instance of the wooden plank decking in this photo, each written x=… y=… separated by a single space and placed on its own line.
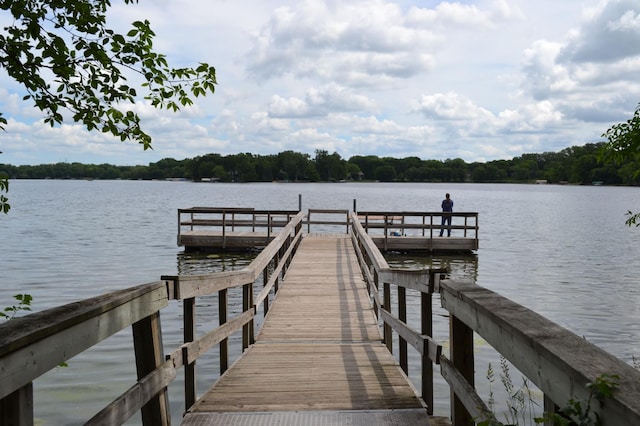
x=319 y=358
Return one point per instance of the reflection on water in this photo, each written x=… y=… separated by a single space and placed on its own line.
x=192 y=263
x=459 y=265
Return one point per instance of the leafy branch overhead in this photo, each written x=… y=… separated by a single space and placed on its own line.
x=70 y=62
x=624 y=146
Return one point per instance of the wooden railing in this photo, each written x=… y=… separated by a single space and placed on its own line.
x=426 y=224
x=557 y=361
x=32 y=345
x=329 y=218
x=231 y=219
x=379 y=277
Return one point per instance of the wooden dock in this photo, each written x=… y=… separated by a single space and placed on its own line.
x=222 y=228
x=319 y=357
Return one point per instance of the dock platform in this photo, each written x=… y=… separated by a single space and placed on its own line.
x=319 y=357
x=220 y=228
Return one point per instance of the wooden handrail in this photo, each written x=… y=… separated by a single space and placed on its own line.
x=425 y=221
x=557 y=361
x=344 y=222
x=32 y=345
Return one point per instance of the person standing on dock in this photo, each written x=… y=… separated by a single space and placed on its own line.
x=447 y=207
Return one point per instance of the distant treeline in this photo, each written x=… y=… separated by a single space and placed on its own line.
x=577 y=164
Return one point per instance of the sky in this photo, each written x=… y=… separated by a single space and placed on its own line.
x=477 y=80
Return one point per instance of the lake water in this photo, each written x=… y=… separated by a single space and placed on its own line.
x=562 y=251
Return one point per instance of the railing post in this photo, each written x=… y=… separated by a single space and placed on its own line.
x=431 y=231
x=179 y=226
x=477 y=229
x=386 y=231
x=376 y=288
x=16 y=409
x=426 y=309
x=222 y=319
x=347 y=221
x=462 y=358
x=224 y=230
x=402 y=316
x=387 y=331
x=276 y=262
x=147 y=342
x=265 y=280
x=189 y=334
x=247 y=303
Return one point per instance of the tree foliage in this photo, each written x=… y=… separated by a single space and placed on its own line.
x=623 y=141
x=73 y=66
x=4 y=187
x=574 y=165
x=24 y=304
x=623 y=148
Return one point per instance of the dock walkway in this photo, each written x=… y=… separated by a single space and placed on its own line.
x=319 y=358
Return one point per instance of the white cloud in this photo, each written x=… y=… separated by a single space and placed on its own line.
x=322 y=101
x=479 y=80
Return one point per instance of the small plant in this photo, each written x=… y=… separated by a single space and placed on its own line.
x=575 y=414
x=24 y=304
x=635 y=362
x=521 y=404
x=520 y=401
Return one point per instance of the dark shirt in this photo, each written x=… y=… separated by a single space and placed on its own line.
x=447 y=205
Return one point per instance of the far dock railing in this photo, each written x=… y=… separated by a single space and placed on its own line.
x=229 y=220
x=331 y=217
x=246 y=228
x=425 y=225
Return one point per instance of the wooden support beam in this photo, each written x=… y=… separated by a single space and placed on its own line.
x=147 y=342
x=461 y=339
x=189 y=333
x=16 y=409
x=222 y=319
x=426 y=313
